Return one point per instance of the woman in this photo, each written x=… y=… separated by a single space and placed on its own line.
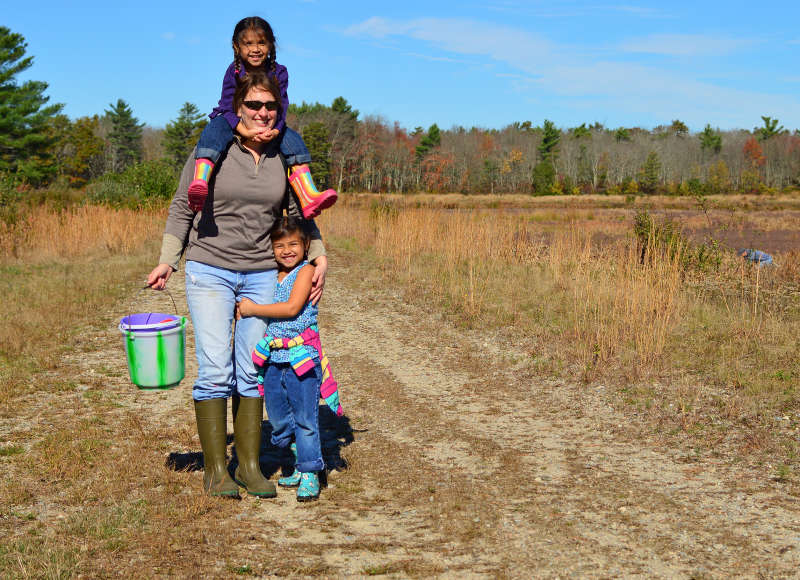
x=229 y=257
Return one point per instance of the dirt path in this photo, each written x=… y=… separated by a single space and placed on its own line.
x=462 y=462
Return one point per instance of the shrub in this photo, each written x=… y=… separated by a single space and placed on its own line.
x=543 y=177
x=140 y=185
x=10 y=196
x=666 y=238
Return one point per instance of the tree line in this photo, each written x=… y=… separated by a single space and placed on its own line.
x=40 y=145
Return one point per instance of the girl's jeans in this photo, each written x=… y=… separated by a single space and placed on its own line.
x=218 y=134
x=293 y=410
x=212 y=293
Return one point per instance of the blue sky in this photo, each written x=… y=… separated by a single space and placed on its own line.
x=484 y=64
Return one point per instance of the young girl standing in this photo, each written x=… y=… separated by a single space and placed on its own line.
x=295 y=370
x=254 y=49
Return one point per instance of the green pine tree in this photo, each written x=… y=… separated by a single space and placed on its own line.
x=181 y=135
x=26 y=131
x=548 y=148
x=429 y=141
x=710 y=140
x=769 y=130
x=316 y=138
x=650 y=173
x=340 y=105
x=125 y=137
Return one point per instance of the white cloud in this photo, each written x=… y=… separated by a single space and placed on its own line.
x=579 y=74
x=685 y=45
x=501 y=43
x=168 y=36
x=644 y=11
x=442 y=58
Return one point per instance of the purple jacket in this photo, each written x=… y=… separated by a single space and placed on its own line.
x=225 y=106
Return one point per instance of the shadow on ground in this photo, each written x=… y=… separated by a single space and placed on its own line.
x=335 y=433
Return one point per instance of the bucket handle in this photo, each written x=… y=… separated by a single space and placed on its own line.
x=146 y=287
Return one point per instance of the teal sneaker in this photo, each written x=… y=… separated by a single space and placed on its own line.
x=308 y=490
x=294 y=479
x=291 y=481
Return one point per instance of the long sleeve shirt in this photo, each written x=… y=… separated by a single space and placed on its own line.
x=245 y=200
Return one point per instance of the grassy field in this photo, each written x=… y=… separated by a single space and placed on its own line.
x=687 y=345
x=694 y=336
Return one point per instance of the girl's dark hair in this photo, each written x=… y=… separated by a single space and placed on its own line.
x=256 y=79
x=259 y=25
x=286 y=226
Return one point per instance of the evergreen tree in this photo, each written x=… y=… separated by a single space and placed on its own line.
x=581 y=131
x=316 y=138
x=181 y=135
x=125 y=137
x=650 y=173
x=770 y=128
x=710 y=139
x=429 y=141
x=26 y=131
x=543 y=176
x=340 y=105
x=548 y=148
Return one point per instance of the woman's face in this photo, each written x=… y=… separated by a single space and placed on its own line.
x=264 y=116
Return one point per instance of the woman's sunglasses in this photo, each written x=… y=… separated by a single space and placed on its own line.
x=256 y=105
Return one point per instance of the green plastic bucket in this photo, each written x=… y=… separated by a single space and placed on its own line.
x=156 y=351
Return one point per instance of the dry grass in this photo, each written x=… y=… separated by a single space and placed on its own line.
x=699 y=350
x=59 y=270
x=566 y=202
x=43 y=233
x=694 y=345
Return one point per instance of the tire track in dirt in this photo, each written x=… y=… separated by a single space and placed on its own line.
x=553 y=462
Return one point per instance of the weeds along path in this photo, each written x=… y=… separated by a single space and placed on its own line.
x=460 y=462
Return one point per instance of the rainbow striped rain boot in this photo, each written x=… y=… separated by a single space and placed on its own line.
x=311 y=200
x=198 y=188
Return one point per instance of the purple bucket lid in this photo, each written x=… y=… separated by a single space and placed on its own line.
x=149 y=322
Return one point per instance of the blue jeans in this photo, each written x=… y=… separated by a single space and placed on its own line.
x=292 y=404
x=217 y=135
x=212 y=293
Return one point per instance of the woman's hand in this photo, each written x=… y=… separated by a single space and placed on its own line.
x=249 y=134
x=244 y=308
x=157 y=280
x=318 y=281
x=266 y=135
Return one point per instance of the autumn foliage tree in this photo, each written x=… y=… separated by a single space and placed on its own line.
x=82 y=151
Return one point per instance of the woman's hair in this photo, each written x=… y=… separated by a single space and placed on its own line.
x=257 y=24
x=286 y=226
x=256 y=79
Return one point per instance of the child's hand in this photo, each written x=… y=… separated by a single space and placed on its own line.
x=244 y=308
x=267 y=135
x=252 y=134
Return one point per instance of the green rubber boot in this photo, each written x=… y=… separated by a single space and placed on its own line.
x=247 y=414
x=211 y=426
